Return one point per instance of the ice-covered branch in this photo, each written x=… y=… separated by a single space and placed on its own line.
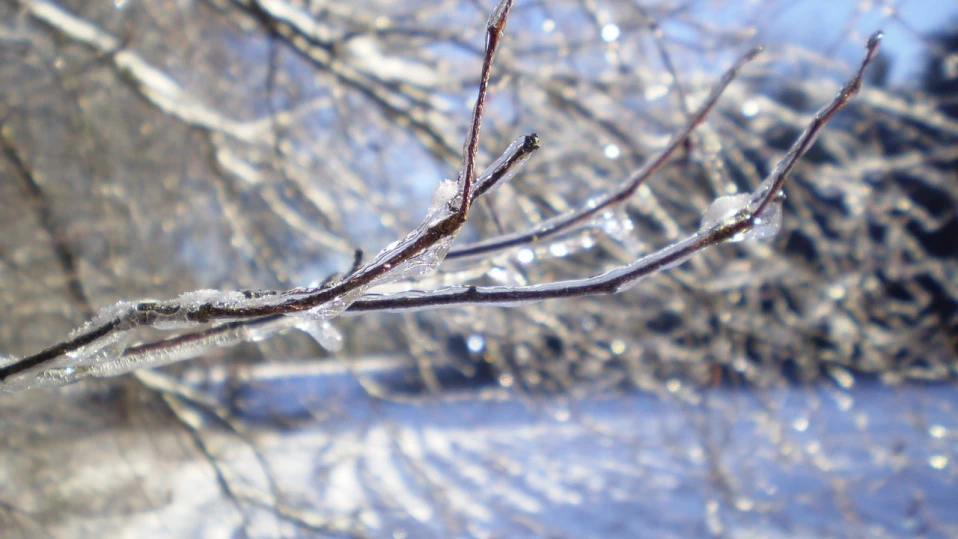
x=101 y=347
x=594 y=207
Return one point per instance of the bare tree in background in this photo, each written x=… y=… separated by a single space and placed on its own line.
x=148 y=149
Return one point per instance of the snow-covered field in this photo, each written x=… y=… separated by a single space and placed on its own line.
x=789 y=462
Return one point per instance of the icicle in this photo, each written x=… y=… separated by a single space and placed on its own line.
x=429 y=259
x=323 y=332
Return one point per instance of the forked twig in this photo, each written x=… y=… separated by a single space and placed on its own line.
x=99 y=348
x=562 y=223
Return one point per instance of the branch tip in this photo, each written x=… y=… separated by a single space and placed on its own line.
x=497 y=20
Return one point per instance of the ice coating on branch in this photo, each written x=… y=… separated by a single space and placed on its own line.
x=329 y=309
x=164 y=355
x=138 y=357
x=498 y=16
x=190 y=302
x=424 y=263
x=110 y=344
x=108 y=350
x=198 y=298
x=323 y=332
x=419 y=265
x=677 y=262
x=428 y=259
x=518 y=152
x=724 y=210
x=444 y=193
x=104 y=316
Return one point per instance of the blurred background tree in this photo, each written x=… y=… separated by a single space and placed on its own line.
x=801 y=386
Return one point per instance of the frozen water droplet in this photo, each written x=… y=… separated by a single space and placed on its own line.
x=766 y=226
x=323 y=332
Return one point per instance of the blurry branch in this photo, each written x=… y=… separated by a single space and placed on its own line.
x=191 y=409
x=155 y=86
x=312 y=42
x=39 y=200
x=100 y=348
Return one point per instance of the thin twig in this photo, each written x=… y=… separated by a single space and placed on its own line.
x=620 y=194
x=39 y=200
x=494 y=30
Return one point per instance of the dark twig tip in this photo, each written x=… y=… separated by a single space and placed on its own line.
x=531 y=142
x=497 y=20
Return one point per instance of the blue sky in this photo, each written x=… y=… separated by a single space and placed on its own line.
x=821 y=24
